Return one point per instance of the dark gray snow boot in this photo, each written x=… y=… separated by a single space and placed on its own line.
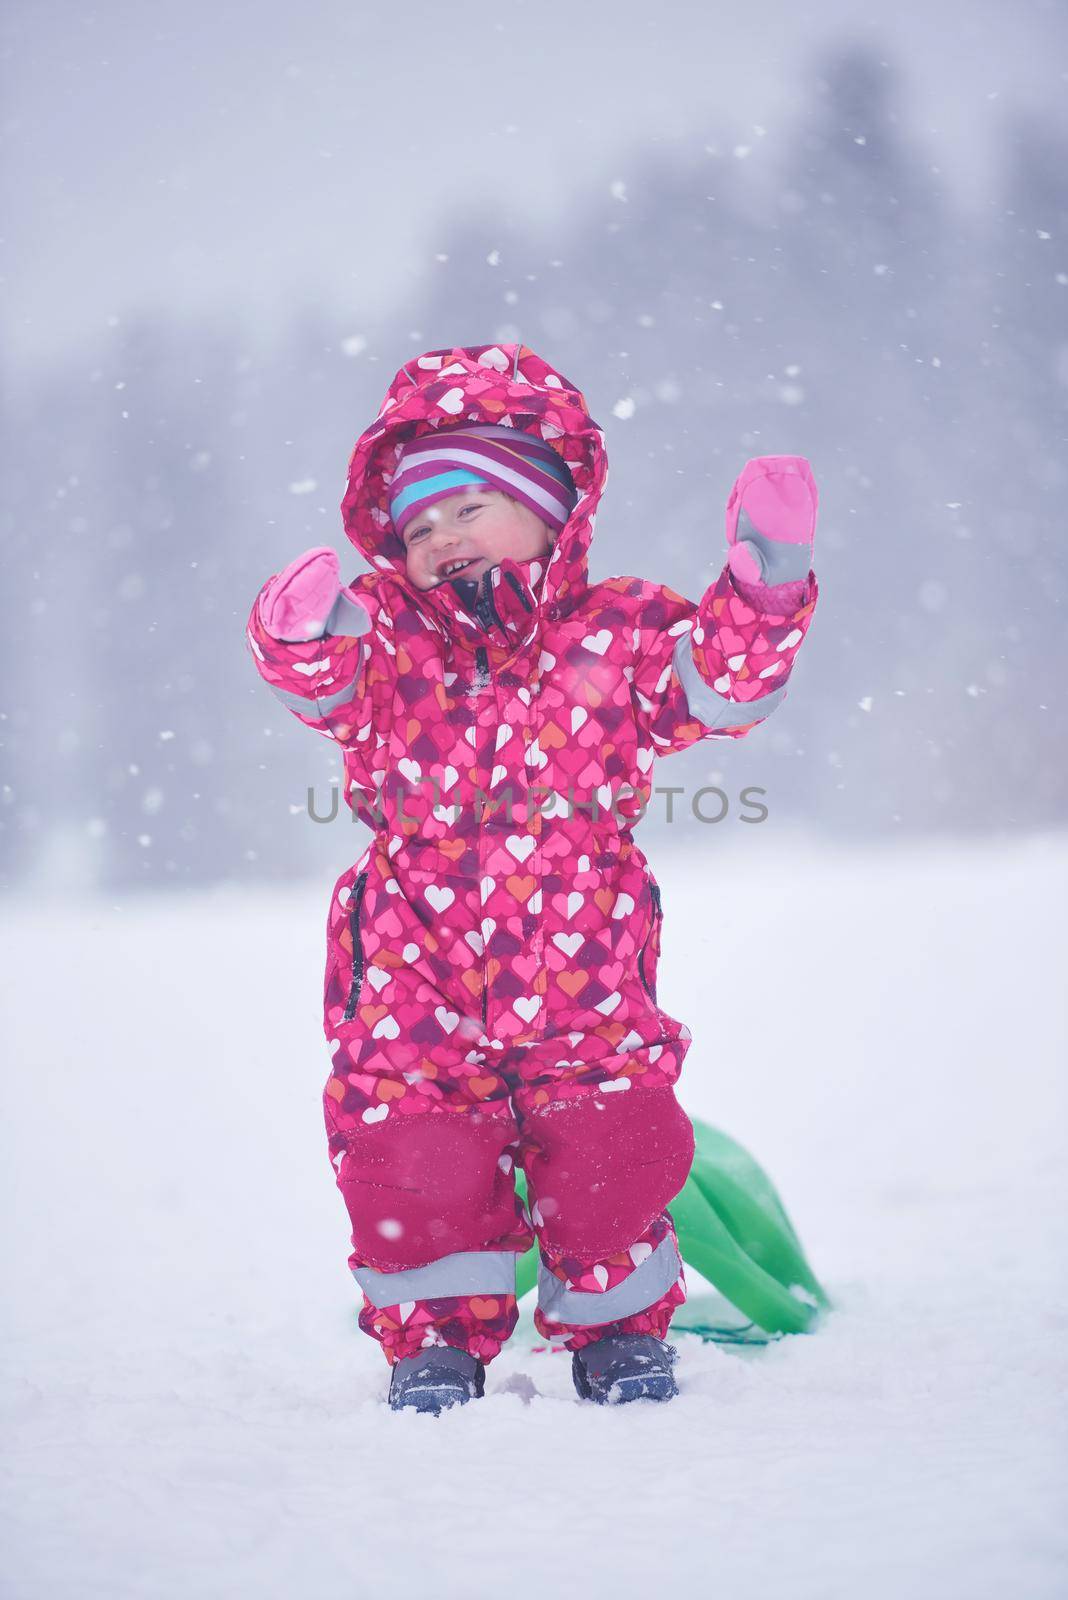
x=625 y=1366
x=436 y=1379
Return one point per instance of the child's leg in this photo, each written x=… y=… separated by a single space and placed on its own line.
x=582 y=1301
x=602 y=1166
x=436 y=1225
x=420 y=1121
x=479 y=1324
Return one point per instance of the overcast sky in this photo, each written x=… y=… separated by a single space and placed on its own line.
x=207 y=155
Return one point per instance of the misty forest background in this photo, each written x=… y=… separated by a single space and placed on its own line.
x=853 y=309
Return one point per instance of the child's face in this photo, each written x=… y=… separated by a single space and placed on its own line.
x=477 y=526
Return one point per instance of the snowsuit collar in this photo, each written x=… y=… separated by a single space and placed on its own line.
x=482 y=383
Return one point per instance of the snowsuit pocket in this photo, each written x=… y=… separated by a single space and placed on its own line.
x=649 y=954
x=355 y=909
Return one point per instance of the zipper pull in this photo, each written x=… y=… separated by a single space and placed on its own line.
x=485 y=609
x=482 y=604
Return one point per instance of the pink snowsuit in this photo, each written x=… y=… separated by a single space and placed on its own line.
x=490 y=988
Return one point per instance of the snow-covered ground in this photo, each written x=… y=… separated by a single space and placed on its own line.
x=190 y=1411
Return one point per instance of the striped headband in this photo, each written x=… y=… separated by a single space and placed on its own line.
x=436 y=465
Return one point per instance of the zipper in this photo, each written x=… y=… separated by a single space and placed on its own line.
x=485 y=609
x=520 y=591
x=487 y=614
x=357 y=946
x=654 y=890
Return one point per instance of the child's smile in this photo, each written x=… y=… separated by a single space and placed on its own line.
x=465 y=534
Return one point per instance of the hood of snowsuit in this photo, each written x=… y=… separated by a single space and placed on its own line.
x=505 y=384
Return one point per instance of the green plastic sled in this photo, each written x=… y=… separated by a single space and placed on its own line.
x=733 y=1229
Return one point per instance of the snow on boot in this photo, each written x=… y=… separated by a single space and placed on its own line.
x=436 y=1379
x=625 y=1366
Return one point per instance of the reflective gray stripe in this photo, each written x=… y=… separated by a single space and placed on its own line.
x=329 y=702
x=347 y=619
x=707 y=704
x=465 y=1272
x=780 y=561
x=312 y=707
x=642 y=1288
x=295 y=702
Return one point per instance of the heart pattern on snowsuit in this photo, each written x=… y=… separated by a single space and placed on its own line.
x=491 y=963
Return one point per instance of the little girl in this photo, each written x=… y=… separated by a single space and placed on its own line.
x=490 y=991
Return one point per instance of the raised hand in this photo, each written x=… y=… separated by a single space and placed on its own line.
x=296 y=604
x=771 y=521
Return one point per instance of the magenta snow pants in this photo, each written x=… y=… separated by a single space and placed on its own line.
x=441 y=1113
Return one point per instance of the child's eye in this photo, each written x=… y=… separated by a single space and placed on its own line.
x=419 y=532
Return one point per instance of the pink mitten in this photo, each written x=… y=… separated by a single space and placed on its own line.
x=771 y=526
x=296 y=603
